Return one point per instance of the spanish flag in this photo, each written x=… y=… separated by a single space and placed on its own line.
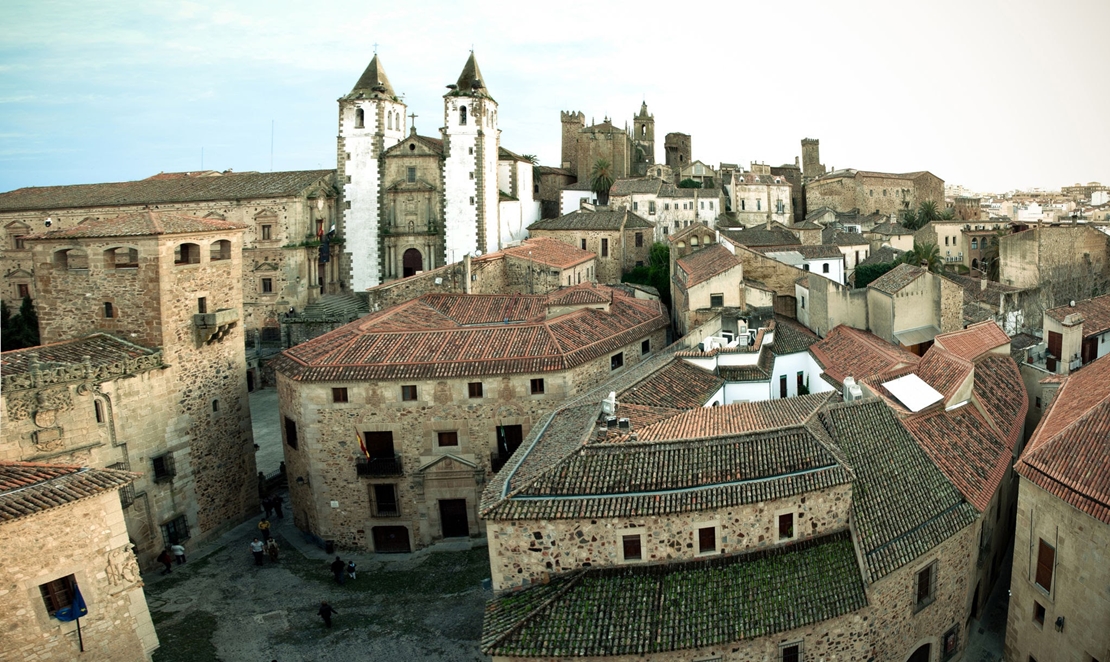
x=362 y=445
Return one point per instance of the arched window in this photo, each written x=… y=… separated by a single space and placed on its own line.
x=220 y=250
x=974 y=243
x=109 y=310
x=359 y=117
x=71 y=259
x=693 y=241
x=462 y=115
x=389 y=119
x=186 y=254
x=121 y=257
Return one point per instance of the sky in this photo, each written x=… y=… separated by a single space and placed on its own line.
x=989 y=94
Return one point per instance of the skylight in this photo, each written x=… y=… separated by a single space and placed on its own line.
x=913 y=392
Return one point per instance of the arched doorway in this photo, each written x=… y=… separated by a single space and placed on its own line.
x=922 y=654
x=412 y=262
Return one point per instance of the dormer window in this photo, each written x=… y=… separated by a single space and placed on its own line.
x=359 y=115
x=462 y=115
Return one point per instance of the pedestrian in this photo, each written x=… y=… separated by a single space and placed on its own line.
x=350 y=570
x=256 y=549
x=268 y=506
x=272 y=549
x=277 y=506
x=337 y=568
x=178 y=553
x=325 y=612
x=264 y=528
x=164 y=559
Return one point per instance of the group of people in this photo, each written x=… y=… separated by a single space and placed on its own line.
x=177 y=551
x=342 y=570
x=272 y=506
x=262 y=549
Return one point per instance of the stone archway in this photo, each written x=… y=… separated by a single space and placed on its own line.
x=924 y=653
x=412 y=262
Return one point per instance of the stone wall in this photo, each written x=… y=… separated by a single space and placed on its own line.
x=776 y=275
x=88 y=540
x=832 y=304
x=523 y=551
x=620 y=258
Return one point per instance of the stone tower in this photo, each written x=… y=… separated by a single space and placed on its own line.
x=811 y=159
x=677 y=147
x=573 y=122
x=371 y=119
x=643 y=140
x=470 y=145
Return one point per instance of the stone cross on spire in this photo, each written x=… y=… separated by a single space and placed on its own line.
x=413 y=117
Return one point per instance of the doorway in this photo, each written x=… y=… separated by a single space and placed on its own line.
x=412 y=262
x=391 y=539
x=452 y=518
x=509 y=438
x=923 y=654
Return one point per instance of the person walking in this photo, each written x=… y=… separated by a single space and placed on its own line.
x=256 y=549
x=268 y=506
x=178 y=553
x=337 y=568
x=164 y=559
x=272 y=549
x=325 y=612
x=277 y=506
x=264 y=528
x=350 y=570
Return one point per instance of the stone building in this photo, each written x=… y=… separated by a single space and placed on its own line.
x=286 y=215
x=703 y=284
x=643 y=141
x=1058 y=599
x=61 y=527
x=874 y=192
x=759 y=197
x=792 y=172
x=678 y=150
x=394 y=423
x=669 y=207
x=812 y=168
x=1068 y=259
x=909 y=306
x=551 y=182
x=142 y=367
x=621 y=239
x=630 y=152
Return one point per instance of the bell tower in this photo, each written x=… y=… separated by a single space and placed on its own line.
x=643 y=141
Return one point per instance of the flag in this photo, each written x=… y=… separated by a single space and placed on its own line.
x=362 y=445
x=76 y=609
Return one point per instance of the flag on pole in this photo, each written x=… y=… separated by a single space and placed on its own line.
x=362 y=445
x=75 y=610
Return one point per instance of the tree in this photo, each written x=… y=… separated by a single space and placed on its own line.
x=925 y=255
x=20 y=330
x=601 y=180
x=657 y=273
x=865 y=273
x=926 y=213
x=689 y=183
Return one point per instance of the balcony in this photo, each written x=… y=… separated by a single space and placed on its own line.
x=387 y=510
x=381 y=466
x=214 y=327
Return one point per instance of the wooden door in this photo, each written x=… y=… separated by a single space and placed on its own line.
x=452 y=518
x=412 y=262
x=1090 y=349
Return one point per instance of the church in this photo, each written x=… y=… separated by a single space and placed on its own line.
x=412 y=203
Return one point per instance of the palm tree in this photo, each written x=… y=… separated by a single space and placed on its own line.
x=924 y=255
x=601 y=180
x=927 y=212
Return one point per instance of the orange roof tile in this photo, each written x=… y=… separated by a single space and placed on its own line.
x=1095 y=312
x=848 y=352
x=27 y=488
x=973 y=341
x=736 y=418
x=702 y=265
x=550 y=252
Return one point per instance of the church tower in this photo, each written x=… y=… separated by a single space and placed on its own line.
x=371 y=119
x=643 y=141
x=470 y=140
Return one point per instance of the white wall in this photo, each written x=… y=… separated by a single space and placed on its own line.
x=836 y=269
x=571 y=200
x=789 y=365
x=746 y=392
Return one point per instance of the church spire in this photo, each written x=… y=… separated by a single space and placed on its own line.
x=373 y=82
x=471 y=83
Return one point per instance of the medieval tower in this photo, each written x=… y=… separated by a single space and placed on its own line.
x=678 y=150
x=470 y=140
x=371 y=119
x=572 y=122
x=643 y=141
x=811 y=159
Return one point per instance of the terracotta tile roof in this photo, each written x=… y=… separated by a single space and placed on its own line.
x=833 y=236
x=550 y=252
x=757 y=372
x=896 y=519
x=549 y=170
x=645 y=185
x=1095 y=312
x=706 y=263
x=574 y=296
x=760 y=236
x=848 y=352
x=593 y=220
x=889 y=228
x=1067 y=454
x=897 y=278
x=162 y=191
x=455 y=335
x=885 y=255
x=100 y=348
x=680 y=385
x=943 y=370
x=791 y=337
x=141 y=224
x=26 y=488
x=809 y=252
x=966 y=449
x=650 y=609
x=974 y=341
x=1021 y=342
x=640 y=416
x=736 y=419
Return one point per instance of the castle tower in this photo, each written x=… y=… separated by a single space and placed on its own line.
x=573 y=122
x=643 y=140
x=811 y=159
x=371 y=119
x=678 y=149
x=470 y=145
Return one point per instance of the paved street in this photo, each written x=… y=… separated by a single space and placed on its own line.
x=266 y=424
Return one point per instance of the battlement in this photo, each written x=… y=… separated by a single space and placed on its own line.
x=573 y=116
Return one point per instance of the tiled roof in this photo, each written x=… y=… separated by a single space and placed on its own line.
x=1019 y=343
x=579 y=296
x=757 y=372
x=981 y=289
x=1095 y=312
x=975 y=340
x=889 y=228
x=1067 y=454
x=806 y=225
x=161 y=191
x=885 y=255
x=736 y=418
x=26 y=488
x=434 y=144
x=649 y=609
x=141 y=224
x=640 y=416
x=549 y=170
x=706 y=263
x=455 y=335
x=681 y=385
x=791 y=337
x=809 y=252
x=761 y=236
x=902 y=504
x=833 y=236
x=848 y=352
x=897 y=278
x=943 y=370
x=1000 y=392
x=551 y=252
x=645 y=185
x=100 y=348
x=593 y=220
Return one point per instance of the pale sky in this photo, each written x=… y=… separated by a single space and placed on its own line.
x=991 y=94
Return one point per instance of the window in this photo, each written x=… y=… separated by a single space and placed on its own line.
x=1038 y=402
x=127 y=492
x=347 y=203
x=974 y=243
x=825 y=268
x=19 y=242
x=121 y=258
x=447 y=439
x=385 y=501
x=267 y=285
x=410 y=175
x=537 y=386
x=666 y=206
x=98 y=410
x=339 y=394
x=786 y=526
x=175 y=530
x=291 y=432
x=25 y=292
x=474 y=389
x=707 y=540
x=1046 y=561
x=462 y=115
x=651 y=206
x=635 y=206
x=267 y=232
x=219 y=250
x=202 y=305
x=604 y=248
x=472 y=174
x=163 y=468
x=946 y=241
x=471 y=199
x=645 y=346
x=632 y=547
x=57 y=594
x=1038 y=613
x=359 y=118
x=639 y=239
x=583 y=244
x=791 y=652
x=759 y=205
x=408 y=393
x=616 y=361
x=803 y=302
x=215 y=406
x=716 y=300
x=805 y=267
x=925 y=586
x=109 y=310
x=710 y=205
x=186 y=254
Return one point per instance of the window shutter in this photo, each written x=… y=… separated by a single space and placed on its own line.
x=1046 y=559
